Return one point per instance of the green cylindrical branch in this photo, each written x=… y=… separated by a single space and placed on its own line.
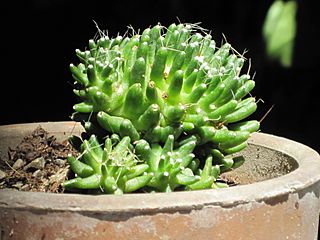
x=82 y=169
x=118 y=125
x=158 y=68
x=150 y=118
x=208 y=176
x=174 y=88
x=160 y=134
x=133 y=102
x=138 y=72
x=223 y=110
x=174 y=114
x=78 y=74
x=248 y=126
x=242 y=111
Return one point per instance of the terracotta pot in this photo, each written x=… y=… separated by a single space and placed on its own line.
x=281 y=201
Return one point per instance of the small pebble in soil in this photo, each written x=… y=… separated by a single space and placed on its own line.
x=37 y=173
x=25 y=187
x=18 y=164
x=59 y=162
x=30 y=155
x=38 y=163
x=18 y=185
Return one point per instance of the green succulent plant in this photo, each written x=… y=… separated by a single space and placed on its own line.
x=162 y=87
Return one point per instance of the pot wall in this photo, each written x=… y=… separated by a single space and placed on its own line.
x=282 y=217
x=286 y=207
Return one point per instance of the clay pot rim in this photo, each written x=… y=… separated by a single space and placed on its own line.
x=307 y=174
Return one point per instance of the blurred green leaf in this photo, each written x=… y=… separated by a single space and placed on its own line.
x=279 y=31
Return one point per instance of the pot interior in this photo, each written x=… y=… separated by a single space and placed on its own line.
x=261 y=163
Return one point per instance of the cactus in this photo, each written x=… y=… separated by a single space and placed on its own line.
x=162 y=87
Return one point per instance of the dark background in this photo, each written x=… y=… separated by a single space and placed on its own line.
x=40 y=37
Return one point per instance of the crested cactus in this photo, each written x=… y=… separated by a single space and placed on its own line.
x=162 y=87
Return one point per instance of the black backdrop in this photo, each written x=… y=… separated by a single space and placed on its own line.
x=40 y=37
